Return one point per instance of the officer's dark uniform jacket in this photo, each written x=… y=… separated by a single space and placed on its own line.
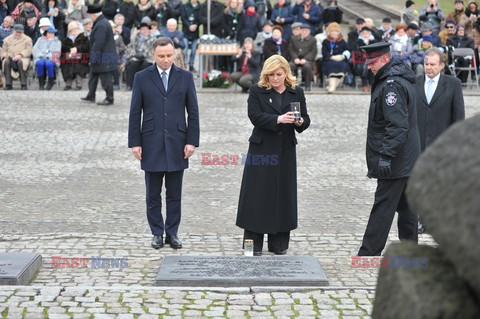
x=392 y=121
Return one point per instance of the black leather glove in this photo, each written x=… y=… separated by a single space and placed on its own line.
x=384 y=167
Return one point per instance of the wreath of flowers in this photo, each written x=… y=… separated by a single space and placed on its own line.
x=216 y=79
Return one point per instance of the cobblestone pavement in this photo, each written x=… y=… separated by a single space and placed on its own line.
x=70 y=187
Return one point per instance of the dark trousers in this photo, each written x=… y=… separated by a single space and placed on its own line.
x=389 y=198
x=276 y=242
x=106 y=79
x=173 y=186
x=307 y=71
x=133 y=67
x=8 y=72
x=319 y=63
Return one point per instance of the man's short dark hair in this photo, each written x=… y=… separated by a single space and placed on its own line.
x=435 y=51
x=162 y=41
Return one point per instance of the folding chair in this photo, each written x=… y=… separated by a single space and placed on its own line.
x=462 y=53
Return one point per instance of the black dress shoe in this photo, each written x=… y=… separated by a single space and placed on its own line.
x=7 y=87
x=78 y=88
x=88 y=99
x=105 y=102
x=174 y=242
x=67 y=88
x=23 y=88
x=257 y=253
x=280 y=252
x=157 y=242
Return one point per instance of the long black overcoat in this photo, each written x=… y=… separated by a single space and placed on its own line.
x=268 y=195
x=103 y=51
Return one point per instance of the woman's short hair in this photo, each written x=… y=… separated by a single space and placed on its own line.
x=401 y=26
x=249 y=39
x=271 y=64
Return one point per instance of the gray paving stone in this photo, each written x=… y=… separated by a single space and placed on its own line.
x=67 y=165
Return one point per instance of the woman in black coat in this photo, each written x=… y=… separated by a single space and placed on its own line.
x=276 y=44
x=268 y=195
x=74 y=62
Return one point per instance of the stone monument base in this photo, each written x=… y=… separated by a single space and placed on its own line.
x=18 y=268
x=240 y=271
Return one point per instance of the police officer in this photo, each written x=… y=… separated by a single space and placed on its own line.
x=393 y=145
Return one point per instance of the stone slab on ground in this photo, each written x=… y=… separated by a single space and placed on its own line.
x=18 y=268
x=240 y=271
x=428 y=290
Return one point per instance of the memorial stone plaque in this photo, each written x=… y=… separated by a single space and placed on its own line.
x=240 y=271
x=18 y=268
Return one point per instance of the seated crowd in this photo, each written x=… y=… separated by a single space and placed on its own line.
x=53 y=35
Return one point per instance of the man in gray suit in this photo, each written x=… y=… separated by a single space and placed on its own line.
x=439 y=102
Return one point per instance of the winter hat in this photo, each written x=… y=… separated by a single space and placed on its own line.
x=19 y=28
x=426 y=27
x=94 y=8
x=86 y=21
x=296 y=25
x=333 y=27
x=359 y=21
x=277 y=27
x=366 y=29
x=72 y=25
x=409 y=3
x=44 y=22
x=450 y=22
x=143 y=24
x=427 y=38
x=249 y=3
x=50 y=30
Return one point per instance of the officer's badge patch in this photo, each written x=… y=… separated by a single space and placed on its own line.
x=391 y=99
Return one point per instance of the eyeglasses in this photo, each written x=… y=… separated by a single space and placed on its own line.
x=450 y=27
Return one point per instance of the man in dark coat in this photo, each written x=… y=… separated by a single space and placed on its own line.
x=164 y=141
x=103 y=56
x=216 y=18
x=439 y=103
x=303 y=51
x=393 y=145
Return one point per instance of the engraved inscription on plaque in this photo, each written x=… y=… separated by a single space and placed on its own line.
x=240 y=271
x=18 y=268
